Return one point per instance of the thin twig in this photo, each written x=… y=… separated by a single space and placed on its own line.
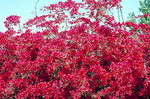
x=19 y=26
x=111 y=12
x=121 y=13
x=107 y=11
x=118 y=15
x=36 y=7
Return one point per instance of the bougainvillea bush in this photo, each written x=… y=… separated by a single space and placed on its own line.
x=75 y=51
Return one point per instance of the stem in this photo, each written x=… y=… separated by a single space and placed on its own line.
x=121 y=12
x=19 y=27
x=118 y=15
x=36 y=7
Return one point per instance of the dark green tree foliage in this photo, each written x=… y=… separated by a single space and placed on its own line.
x=144 y=9
x=131 y=17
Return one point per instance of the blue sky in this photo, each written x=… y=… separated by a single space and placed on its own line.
x=24 y=8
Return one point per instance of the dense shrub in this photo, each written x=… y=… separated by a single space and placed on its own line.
x=75 y=51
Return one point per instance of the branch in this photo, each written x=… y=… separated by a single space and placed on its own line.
x=36 y=7
x=121 y=13
x=118 y=15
